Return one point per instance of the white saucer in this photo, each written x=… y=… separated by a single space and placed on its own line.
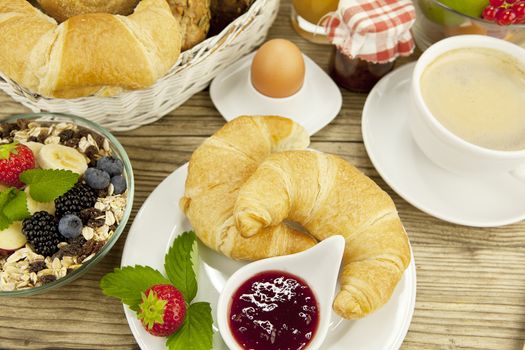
x=160 y=220
x=481 y=201
x=314 y=106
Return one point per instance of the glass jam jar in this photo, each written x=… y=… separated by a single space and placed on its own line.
x=356 y=74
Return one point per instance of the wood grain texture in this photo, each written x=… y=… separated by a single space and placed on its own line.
x=471 y=282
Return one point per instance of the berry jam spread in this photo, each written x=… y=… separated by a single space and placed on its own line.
x=274 y=310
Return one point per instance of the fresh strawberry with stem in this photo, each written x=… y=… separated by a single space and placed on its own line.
x=162 y=310
x=15 y=158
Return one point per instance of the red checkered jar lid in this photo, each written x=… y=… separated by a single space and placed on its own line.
x=377 y=31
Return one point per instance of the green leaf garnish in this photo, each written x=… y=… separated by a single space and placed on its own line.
x=5 y=197
x=16 y=208
x=130 y=282
x=13 y=207
x=179 y=265
x=196 y=332
x=46 y=184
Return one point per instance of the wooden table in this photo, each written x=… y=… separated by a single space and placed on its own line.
x=471 y=282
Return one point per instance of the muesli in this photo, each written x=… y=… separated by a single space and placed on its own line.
x=62 y=196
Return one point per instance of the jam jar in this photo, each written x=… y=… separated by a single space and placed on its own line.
x=368 y=36
x=356 y=74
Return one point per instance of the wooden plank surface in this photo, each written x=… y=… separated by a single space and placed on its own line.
x=471 y=282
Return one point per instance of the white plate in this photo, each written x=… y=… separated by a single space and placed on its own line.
x=483 y=200
x=314 y=106
x=159 y=221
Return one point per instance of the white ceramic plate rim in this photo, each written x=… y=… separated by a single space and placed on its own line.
x=373 y=98
x=410 y=275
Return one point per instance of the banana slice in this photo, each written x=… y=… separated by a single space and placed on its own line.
x=34 y=206
x=55 y=156
x=35 y=147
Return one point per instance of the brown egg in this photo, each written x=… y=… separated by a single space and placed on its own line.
x=278 y=69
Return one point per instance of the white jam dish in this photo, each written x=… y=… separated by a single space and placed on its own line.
x=318 y=267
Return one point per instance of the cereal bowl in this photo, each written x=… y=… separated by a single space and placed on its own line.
x=102 y=213
x=436 y=21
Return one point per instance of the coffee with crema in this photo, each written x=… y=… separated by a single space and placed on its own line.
x=479 y=95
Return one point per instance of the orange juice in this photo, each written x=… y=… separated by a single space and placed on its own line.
x=314 y=10
x=306 y=15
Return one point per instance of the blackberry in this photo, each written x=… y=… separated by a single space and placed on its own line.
x=42 y=233
x=80 y=197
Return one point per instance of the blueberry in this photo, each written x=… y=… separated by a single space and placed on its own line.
x=96 y=179
x=70 y=226
x=110 y=165
x=119 y=184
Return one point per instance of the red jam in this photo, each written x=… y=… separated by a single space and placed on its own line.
x=274 y=310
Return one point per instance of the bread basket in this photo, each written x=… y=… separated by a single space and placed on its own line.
x=192 y=73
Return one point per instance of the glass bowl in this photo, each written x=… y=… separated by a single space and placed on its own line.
x=435 y=21
x=119 y=152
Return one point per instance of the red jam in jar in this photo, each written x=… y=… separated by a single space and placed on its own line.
x=274 y=310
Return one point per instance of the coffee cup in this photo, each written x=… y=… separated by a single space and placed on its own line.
x=446 y=148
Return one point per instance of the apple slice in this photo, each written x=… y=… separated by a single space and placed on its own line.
x=12 y=238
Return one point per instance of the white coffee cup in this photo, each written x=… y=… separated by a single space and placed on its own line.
x=437 y=142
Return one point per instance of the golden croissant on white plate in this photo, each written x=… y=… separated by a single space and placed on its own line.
x=328 y=196
x=217 y=170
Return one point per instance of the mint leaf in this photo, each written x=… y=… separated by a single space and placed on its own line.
x=196 y=333
x=179 y=265
x=128 y=283
x=5 y=197
x=16 y=208
x=46 y=184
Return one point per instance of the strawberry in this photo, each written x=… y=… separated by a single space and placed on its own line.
x=15 y=158
x=162 y=310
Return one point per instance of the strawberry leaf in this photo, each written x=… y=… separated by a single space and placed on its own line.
x=196 y=332
x=128 y=283
x=180 y=267
x=7 y=150
x=48 y=184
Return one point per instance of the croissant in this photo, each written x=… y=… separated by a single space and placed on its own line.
x=193 y=15
x=87 y=54
x=63 y=9
x=219 y=167
x=328 y=196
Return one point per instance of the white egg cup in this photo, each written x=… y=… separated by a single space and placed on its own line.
x=314 y=106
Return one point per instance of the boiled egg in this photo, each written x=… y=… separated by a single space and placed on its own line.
x=278 y=69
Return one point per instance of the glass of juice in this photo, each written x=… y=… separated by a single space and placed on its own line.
x=306 y=17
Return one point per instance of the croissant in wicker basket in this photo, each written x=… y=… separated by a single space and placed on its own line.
x=192 y=71
x=96 y=53
x=193 y=15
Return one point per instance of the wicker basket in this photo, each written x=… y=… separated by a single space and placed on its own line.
x=192 y=73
